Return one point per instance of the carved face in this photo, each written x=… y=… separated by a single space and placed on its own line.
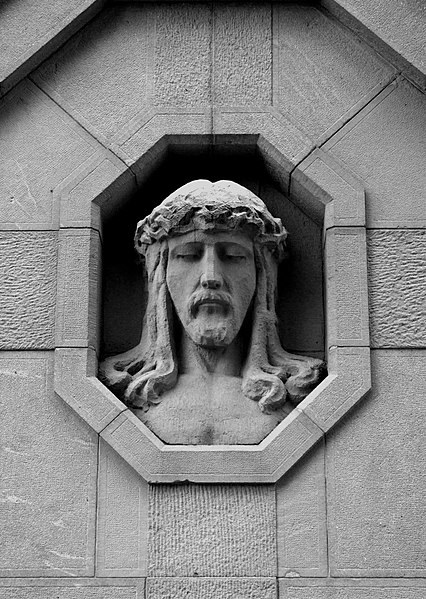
x=211 y=277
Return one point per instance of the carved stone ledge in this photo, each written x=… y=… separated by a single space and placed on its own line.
x=320 y=187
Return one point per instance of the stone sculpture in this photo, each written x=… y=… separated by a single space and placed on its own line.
x=210 y=368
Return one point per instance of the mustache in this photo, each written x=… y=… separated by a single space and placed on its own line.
x=209 y=296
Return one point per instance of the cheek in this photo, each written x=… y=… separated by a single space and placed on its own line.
x=244 y=284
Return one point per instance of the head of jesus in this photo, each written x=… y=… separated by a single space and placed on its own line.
x=211 y=252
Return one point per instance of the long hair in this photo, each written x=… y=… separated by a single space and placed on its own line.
x=270 y=374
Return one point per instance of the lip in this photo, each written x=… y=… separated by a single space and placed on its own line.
x=211 y=301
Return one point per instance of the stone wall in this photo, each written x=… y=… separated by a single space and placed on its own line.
x=347 y=522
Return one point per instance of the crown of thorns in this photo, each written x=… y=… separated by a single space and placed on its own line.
x=206 y=206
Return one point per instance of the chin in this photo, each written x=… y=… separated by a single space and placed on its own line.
x=211 y=337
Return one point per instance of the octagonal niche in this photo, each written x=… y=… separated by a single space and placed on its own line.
x=326 y=212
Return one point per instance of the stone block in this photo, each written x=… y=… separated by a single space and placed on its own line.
x=77 y=588
x=99 y=186
x=146 y=136
x=41 y=146
x=158 y=462
x=328 y=192
x=375 y=475
x=122 y=517
x=79 y=288
x=49 y=462
x=346 y=287
x=102 y=76
x=301 y=518
x=392 y=128
x=182 y=55
x=28 y=289
x=212 y=530
x=242 y=60
x=347 y=382
x=76 y=383
x=211 y=588
x=46 y=27
x=282 y=143
x=322 y=74
x=397 y=287
x=395 y=29
x=351 y=589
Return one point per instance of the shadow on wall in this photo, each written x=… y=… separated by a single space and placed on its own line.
x=300 y=287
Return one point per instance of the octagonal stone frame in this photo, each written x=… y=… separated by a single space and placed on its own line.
x=320 y=187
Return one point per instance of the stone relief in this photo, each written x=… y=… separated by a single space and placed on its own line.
x=209 y=368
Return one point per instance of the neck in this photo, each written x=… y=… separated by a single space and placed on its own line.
x=194 y=359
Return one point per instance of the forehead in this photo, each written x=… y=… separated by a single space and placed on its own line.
x=211 y=238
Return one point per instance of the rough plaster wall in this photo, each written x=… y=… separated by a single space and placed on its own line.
x=367 y=521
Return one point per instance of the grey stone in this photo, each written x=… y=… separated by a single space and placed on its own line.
x=49 y=461
x=79 y=286
x=394 y=28
x=301 y=518
x=212 y=530
x=211 y=588
x=242 y=60
x=352 y=589
x=47 y=26
x=210 y=250
x=122 y=533
x=79 y=588
x=346 y=287
x=397 y=287
x=375 y=475
x=391 y=127
x=28 y=289
x=321 y=71
x=41 y=146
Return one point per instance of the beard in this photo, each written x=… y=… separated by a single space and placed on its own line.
x=210 y=319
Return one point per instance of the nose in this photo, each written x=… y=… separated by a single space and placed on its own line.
x=211 y=277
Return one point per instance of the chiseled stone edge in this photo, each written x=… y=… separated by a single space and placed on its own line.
x=76 y=583
x=269 y=460
x=47 y=44
x=325 y=189
x=348 y=381
x=76 y=383
x=158 y=462
x=348 y=583
x=346 y=295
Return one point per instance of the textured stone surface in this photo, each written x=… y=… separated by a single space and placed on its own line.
x=234 y=528
x=101 y=75
x=346 y=287
x=28 y=289
x=210 y=588
x=79 y=288
x=351 y=589
x=391 y=128
x=76 y=383
x=301 y=518
x=347 y=382
x=48 y=456
x=242 y=55
x=122 y=517
x=182 y=54
x=30 y=28
x=261 y=463
x=40 y=148
x=397 y=287
x=320 y=69
x=375 y=474
x=398 y=24
x=80 y=589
